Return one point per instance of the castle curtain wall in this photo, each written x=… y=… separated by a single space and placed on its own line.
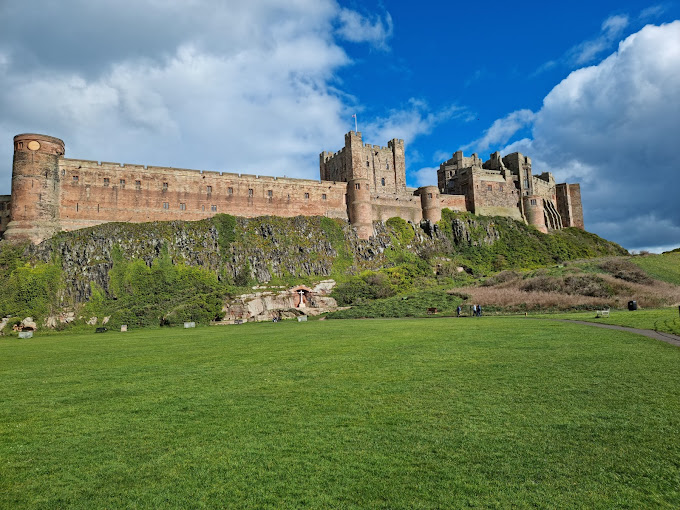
x=93 y=193
x=361 y=183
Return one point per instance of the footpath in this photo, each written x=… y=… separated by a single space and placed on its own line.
x=664 y=337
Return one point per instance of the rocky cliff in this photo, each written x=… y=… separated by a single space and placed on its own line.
x=244 y=251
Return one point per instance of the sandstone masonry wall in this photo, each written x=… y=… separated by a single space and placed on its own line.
x=5 y=205
x=94 y=193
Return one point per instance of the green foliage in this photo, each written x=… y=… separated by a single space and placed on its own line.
x=11 y=257
x=332 y=228
x=499 y=243
x=366 y=287
x=402 y=231
x=29 y=290
x=226 y=231
x=161 y=294
x=96 y=305
x=242 y=278
x=411 y=305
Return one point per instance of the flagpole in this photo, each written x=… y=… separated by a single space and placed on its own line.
x=356 y=127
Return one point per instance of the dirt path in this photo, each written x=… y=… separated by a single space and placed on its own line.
x=664 y=337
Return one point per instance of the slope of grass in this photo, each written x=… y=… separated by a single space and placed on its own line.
x=666 y=320
x=341 y=414
x=665 y=267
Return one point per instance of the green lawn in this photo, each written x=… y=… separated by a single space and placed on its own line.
x=441 y=413
x=666 y=320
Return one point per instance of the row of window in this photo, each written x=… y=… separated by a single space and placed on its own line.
x=183 y=207
x=230 y=190
x=368 y=164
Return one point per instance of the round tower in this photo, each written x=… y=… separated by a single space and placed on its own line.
x=429 y=201
x=34 y=214
x=359 y=207
x=534 y=213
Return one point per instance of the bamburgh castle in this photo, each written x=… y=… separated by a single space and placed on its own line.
x=361 y=183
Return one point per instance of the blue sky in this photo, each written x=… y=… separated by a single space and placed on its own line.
x=589 y=90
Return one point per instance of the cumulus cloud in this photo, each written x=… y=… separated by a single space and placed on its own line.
x=249 y=88
x=614 y=127
x=357 y=28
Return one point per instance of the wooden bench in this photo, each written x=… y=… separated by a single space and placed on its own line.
x=602 y=313
x=431 y=311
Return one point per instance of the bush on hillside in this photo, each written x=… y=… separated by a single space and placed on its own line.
x=625 y=270
x=411 y=305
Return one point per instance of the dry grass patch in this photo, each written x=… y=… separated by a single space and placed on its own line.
x=570 y=288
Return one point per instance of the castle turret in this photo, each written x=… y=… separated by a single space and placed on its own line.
x=359 y=207
x=534 y=212
x=34 y=214
x=429 y=201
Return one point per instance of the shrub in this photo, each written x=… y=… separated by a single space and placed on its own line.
x=625 y=270
x=411 y=305
x=225 y=224
x=403 y=232
x=30 y=290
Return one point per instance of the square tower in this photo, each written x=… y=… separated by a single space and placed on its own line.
x=383 y=167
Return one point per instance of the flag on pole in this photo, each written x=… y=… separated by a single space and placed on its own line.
x=356 y=129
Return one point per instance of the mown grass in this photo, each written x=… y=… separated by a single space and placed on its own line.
x=666 y=320
x=665 y=267
x=444 y=413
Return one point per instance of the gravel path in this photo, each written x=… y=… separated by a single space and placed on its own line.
x=664 y=337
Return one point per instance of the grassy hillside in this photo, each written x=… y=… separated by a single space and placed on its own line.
x=168 y=273
x=665 y=267
x=450 y=413
x=579 y=285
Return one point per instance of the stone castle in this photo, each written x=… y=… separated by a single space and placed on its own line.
x=361 y=183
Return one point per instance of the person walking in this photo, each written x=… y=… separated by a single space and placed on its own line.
x=458 y=310
x=479 y=310
x=474 y=310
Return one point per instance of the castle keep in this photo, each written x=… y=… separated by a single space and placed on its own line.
x=361 y=183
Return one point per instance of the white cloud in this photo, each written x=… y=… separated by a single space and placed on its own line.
x=357 y=28
x=652 y=12
x=409 y=122
x=614 y=127
x=502 y=130
x=612 y=28
x=250 y=88
x=426 y=176
x=441 y=156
